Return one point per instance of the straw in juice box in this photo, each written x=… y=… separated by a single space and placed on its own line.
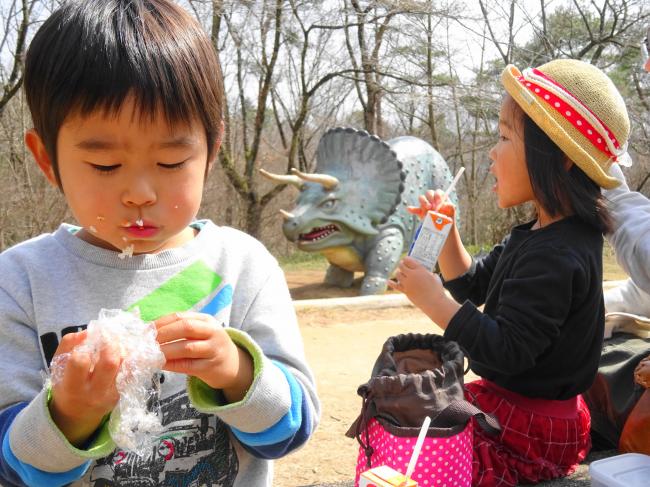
x=432 y=232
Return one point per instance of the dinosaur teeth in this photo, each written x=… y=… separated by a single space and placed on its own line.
x=319 y=233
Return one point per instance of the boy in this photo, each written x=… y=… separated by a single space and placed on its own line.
x=125 y=96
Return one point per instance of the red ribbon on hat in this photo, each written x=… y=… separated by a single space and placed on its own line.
x=571 y=112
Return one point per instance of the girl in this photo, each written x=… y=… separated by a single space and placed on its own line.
x=537 y=342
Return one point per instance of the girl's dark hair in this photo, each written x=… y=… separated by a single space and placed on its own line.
x=92 y=54
x=557 y=190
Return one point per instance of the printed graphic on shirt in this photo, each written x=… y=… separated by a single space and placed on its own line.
x=194 y=451
x=182 y=292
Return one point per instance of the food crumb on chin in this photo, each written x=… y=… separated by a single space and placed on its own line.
x=126 y=252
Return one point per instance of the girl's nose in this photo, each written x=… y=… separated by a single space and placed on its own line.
x=492 y=153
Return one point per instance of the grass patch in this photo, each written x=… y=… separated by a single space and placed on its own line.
x=314 y=261
x=303 y=261
x=611 y=270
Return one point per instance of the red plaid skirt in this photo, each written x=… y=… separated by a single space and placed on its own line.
x=531 y=447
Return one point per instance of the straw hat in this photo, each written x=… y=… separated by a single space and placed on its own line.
x=579 y=108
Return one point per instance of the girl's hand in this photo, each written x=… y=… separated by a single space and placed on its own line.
x=195 y=344
x=414 y=280
x=424 y=289
x=86 y=393
x=433 y=201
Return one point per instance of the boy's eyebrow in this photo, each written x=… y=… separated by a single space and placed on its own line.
x=95 y=144
x=178 y=142
x=103 y=144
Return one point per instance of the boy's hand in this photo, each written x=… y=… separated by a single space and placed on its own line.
x=424 y=289
x=433 y=201
x=195 y=344
x=86 y=393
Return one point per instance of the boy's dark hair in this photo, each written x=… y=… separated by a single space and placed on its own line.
x=557 y=190
x=92 y=54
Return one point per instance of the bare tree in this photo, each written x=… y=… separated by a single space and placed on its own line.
x=371 y=23
x=16 y=17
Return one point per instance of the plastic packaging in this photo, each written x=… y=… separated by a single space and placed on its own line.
x=132 y=425
x=628 y=470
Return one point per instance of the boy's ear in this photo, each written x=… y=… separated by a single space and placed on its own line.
x=216 y=147
x=36 y=146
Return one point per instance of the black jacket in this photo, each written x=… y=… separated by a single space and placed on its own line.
x=541 y=330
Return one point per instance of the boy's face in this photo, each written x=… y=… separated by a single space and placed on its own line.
x=129 y=180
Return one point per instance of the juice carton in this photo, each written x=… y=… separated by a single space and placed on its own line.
x=429 y=238
x=385 y=476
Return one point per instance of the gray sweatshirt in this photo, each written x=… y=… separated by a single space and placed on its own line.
x=56 y=283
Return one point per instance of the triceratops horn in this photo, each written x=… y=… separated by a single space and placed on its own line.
x=282 y=178
x=286 y=215
x=329 y=182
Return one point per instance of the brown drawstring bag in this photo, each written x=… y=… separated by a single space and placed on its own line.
x=415 y=376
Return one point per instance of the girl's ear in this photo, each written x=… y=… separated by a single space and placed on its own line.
x=568 y=164
x=36 y=146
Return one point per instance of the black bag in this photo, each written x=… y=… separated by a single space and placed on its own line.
x=416 y=376
x=614 y=393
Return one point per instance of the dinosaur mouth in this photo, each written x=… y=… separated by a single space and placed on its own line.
x=318 y=233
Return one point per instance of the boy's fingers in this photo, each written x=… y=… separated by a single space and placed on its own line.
x=174 y=317
x=106 y=368
x=186 y=328
x=69 y=341
x=182 y=366
x=187 y=349
x=77 y=369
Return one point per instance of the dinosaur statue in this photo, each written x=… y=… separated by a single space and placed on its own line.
x=353 y=209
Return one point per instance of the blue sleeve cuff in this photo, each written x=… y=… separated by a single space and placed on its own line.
x=13 y=472
x=286 y=426
x=290 y=432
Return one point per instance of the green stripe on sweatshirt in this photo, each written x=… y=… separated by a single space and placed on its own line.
x=180 y=293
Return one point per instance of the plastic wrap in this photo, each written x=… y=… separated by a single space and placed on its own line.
x=133 y=425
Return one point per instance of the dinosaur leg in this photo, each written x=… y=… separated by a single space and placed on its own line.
x=337 y=276
x=372 y=285
x=381 y=261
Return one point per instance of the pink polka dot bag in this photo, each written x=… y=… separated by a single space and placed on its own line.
x=417 y=376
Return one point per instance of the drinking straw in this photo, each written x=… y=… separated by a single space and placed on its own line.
x=418 y=447
x=453 y=184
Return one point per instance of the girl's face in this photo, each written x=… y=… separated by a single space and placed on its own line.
x=508 y=156
x=133 y=184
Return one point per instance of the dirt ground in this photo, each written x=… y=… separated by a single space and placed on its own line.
x=341 y=347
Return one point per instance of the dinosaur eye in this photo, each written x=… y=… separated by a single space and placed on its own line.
x=328 y=204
